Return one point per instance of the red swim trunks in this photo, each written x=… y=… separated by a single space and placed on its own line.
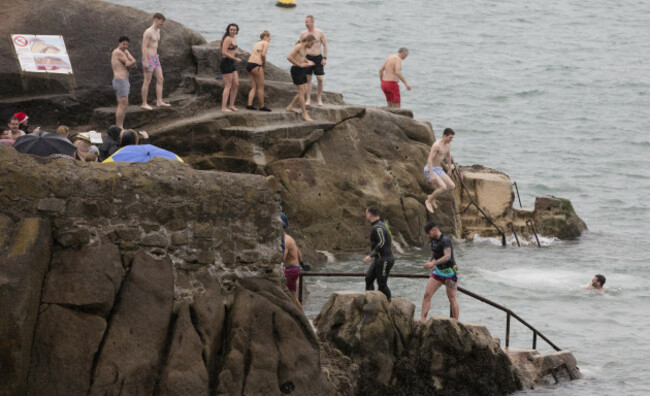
x=292 y=274
x=391 y=90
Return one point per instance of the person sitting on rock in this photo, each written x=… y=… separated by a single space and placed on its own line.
x=23 y=120
x=110 y=144
x=85 y=150
x=597 y=283
x=63 y=130
x=129 y=137
x=13 y=132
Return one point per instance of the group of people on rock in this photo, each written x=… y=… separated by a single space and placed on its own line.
x=116 y=138
x=308 y=57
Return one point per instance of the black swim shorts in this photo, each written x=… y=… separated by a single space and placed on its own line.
x=227 y=66
x=317 y=69
x=251 y=66
x=299 y=75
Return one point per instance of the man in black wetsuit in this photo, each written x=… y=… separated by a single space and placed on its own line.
x=381 y=254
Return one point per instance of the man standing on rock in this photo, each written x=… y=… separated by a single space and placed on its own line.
x=298 y=59
x=121 y=60
x=151 y=61
x=381 y=255
x=433 y=170
x=389 y=75
x=444 y=272
x=317 y=54
x=292 y=260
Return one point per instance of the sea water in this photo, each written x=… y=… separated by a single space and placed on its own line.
x=553 y=93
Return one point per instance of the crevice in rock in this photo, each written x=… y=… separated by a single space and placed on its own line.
x=164 y=357
x=359 y=115
x=248 y=359
x=195 y=324
x=109 y=319
x=213 y=374
x=38 y=315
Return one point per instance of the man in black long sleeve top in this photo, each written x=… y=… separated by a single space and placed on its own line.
x=381 y=254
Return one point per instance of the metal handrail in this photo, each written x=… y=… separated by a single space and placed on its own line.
x=472 y=202
x=508 y=312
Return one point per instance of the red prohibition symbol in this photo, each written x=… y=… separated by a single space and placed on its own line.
x=21 y=41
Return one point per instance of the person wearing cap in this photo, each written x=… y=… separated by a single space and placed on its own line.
x=23 y=121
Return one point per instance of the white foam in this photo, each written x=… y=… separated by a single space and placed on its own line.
x=512 y=241
x=330 y=256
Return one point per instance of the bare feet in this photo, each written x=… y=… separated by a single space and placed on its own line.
x=233 y=108
x=146 y=106
x=295 y=110
x=306 y=117
x=162 y=104
x=320 y=102
x=431 y=204
x=308 y=102
x=226 y=110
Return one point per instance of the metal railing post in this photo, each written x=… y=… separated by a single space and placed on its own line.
x=508 y=312
x=517 y=189
x=508 y=329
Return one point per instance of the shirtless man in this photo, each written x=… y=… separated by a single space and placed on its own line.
x=292 y=260
x=597 y=283
x=389 y=75
x=433 y=169
x=121 y=60
x=317 y=55
x=13 y=132
x=151 y=61
x=300 y=63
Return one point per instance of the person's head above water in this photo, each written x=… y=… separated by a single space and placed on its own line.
x=598 y=281
x=403 y=52
x=432 y=230
x=373 y=213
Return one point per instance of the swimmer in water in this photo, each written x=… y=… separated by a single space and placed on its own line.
x=597 y=283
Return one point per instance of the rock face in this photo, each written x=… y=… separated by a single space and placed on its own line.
x=399 y=357
x=134 y=279
x=90 y=29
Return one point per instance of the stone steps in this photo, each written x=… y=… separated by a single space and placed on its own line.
x=136 y=116
x=547 y=369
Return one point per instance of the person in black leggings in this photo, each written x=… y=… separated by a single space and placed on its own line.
x=381 y=255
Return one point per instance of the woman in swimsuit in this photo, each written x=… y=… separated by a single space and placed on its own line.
x=230 y=77
x=255 y=68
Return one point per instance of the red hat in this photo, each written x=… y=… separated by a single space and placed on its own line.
x=22 y=117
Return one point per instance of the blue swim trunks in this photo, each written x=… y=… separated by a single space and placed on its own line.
x=437 y=170
x=445 y=274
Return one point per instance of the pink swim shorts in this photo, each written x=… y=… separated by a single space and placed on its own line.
x=151 y=63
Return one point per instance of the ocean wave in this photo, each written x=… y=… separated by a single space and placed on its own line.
x=512 y=241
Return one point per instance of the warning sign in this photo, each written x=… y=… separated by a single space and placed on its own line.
x=42 y=54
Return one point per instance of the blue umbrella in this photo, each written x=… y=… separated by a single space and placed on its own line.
x=141 y=153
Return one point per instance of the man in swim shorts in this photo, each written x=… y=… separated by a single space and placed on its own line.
x=444 y=272
x=151 y=62
x=298 y=58
x=121 y=60
x=440 y=150
x=317 y=54
x=389 y=75
x=381 y=255
x=292 y=259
